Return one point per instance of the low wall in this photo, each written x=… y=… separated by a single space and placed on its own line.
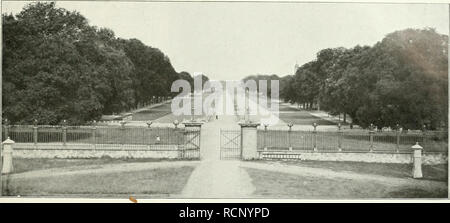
x=29 y=150
x=427 y=158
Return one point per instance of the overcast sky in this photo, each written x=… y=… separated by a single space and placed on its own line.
x=233 y=40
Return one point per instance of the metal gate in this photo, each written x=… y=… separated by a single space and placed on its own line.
x=230 y=144
x=191 y=144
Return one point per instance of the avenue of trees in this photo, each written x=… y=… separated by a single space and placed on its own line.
x=403 y=79
x=267 y=78
x=56 y=66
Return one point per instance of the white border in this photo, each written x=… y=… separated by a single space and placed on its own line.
x=102 y=200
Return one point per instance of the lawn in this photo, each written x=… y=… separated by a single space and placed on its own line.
x=144 y=183
x=300 y=117
x=28 y=164
x=270 y=184
x=437 y=172
x=152 y=113
x=303 y=118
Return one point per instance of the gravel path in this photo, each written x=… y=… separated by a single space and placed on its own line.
x=215 y=178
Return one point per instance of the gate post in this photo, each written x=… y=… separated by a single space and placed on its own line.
x=192 y=125
x=249 y=142
x=417 y=161
x=7 y=167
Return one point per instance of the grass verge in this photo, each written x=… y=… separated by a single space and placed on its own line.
x=270 y=184
x=160 y=182
x=28 y=164
x=437 y=172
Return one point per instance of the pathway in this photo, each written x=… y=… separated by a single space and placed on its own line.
x=215 y=178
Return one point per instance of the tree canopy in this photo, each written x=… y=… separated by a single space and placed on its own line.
x=267 y=78
x=56 y=66
x=401 y=80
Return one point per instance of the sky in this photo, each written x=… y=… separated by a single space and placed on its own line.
x=230 y=40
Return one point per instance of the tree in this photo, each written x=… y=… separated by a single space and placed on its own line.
x=56 y=66
x=267 y=78
x=402 y=80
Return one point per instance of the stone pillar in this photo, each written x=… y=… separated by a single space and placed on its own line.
x=192 y=125
x=7 y=167
x=249 y=141
x=417 y=161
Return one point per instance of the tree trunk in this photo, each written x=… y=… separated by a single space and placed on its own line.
x=345 y=117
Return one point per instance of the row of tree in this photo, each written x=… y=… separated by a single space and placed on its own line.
x=56 y=66
x=261 y=77
x=402 y=79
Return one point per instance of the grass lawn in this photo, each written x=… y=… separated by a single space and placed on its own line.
x=23 y=165
x=154 y=182
x=270 y=184
x=152 y=113
x=430 y=172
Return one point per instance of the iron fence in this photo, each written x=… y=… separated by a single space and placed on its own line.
x=340 y=141
x=122 y=137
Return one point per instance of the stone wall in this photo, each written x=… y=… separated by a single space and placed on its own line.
x=29 y=150
x=427 y=158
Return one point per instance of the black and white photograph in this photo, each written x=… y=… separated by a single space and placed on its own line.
x=169 y=100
